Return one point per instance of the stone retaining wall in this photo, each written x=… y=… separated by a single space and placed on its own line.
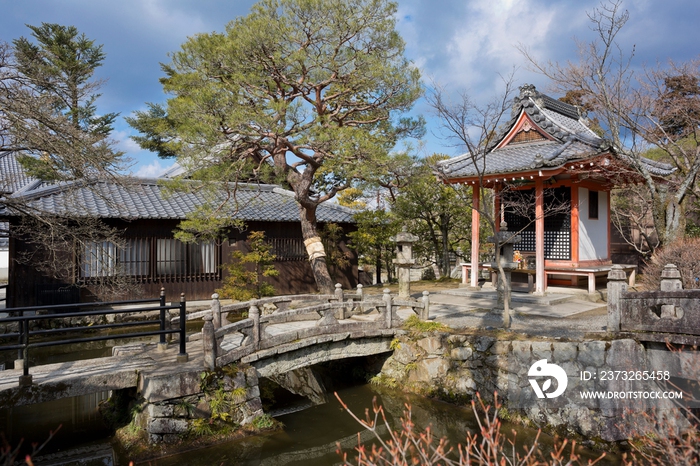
x=168 y=420
x=457 y=366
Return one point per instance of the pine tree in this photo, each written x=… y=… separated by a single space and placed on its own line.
x=247 y=270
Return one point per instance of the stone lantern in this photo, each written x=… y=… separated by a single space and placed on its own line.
x=404 y=261
x=506 y=240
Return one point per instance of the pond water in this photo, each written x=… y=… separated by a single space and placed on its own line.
x=310 y=437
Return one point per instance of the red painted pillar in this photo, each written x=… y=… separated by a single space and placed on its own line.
x=539 y=237
x=474 y=279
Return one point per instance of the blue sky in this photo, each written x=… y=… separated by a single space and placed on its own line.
x=462 y=44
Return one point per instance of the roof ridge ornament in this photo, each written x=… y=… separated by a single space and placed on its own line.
x=538 y=162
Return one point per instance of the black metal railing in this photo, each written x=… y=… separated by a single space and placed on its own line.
x=24 y=332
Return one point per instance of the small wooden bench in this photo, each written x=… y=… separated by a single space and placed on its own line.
x=467 y=266
x=530 y=277
x=590 y=272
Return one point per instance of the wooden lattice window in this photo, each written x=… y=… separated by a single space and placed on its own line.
x=557 y=222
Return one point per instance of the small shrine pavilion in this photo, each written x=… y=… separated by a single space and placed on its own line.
x=548 y=154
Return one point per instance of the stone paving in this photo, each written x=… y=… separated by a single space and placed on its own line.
x=557 y=315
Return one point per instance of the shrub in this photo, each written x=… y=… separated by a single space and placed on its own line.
x=414 y=324
x=684 y=254
x=248 y=270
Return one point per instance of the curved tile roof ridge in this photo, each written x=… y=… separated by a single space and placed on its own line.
x=532 y=102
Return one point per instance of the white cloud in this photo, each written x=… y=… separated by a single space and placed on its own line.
x=152 y=170
x=124 y=142
x=486 y=44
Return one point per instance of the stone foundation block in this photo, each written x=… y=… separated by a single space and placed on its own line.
x=461 y=354
x=591 y=353
x=497 y=362
x=565 y=351
x=542 y=350
x=521 y=350
x=252 y=392
x=431 y=345
x=500 y=347
x=160 y=410
x=430 y=369
x=456 y=340
x=405 y=353
x=484 y=343
x=167 y=426
x=169 y=386
x=202 y=410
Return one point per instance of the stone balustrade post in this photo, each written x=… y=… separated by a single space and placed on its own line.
x=339 y=292
x=671 y=278
x=425 y=313
x=670 y=281
x=340 y=298
x=360 y=293
x=216 y=311
x=209 y=343
x=254 y=314
x=617 y=284
x=388 y=304
x=360 y=297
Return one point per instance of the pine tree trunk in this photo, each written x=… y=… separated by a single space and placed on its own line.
x=315 y=250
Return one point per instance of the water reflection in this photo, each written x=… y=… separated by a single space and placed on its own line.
x=78 y=417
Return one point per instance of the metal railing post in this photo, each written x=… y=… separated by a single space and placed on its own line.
x=183 y=357
x=162 y=343
x=25 y=380
x=20 y=339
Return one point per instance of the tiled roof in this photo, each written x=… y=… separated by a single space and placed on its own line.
x=12 y=175
x=573 y=140
x=150 y=198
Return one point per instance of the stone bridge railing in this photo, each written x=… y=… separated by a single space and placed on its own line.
x=671 y=314
x=328 y=315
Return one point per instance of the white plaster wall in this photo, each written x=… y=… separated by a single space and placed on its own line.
x=4 y=264
x=592 y=233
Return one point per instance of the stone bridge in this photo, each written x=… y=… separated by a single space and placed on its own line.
x=274 y=341
x=336 y=329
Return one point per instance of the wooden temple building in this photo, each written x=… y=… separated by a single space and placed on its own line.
x=548 y=154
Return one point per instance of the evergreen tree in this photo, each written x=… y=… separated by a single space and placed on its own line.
x=247 y=270
x=313 y=88
x=47 y=105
